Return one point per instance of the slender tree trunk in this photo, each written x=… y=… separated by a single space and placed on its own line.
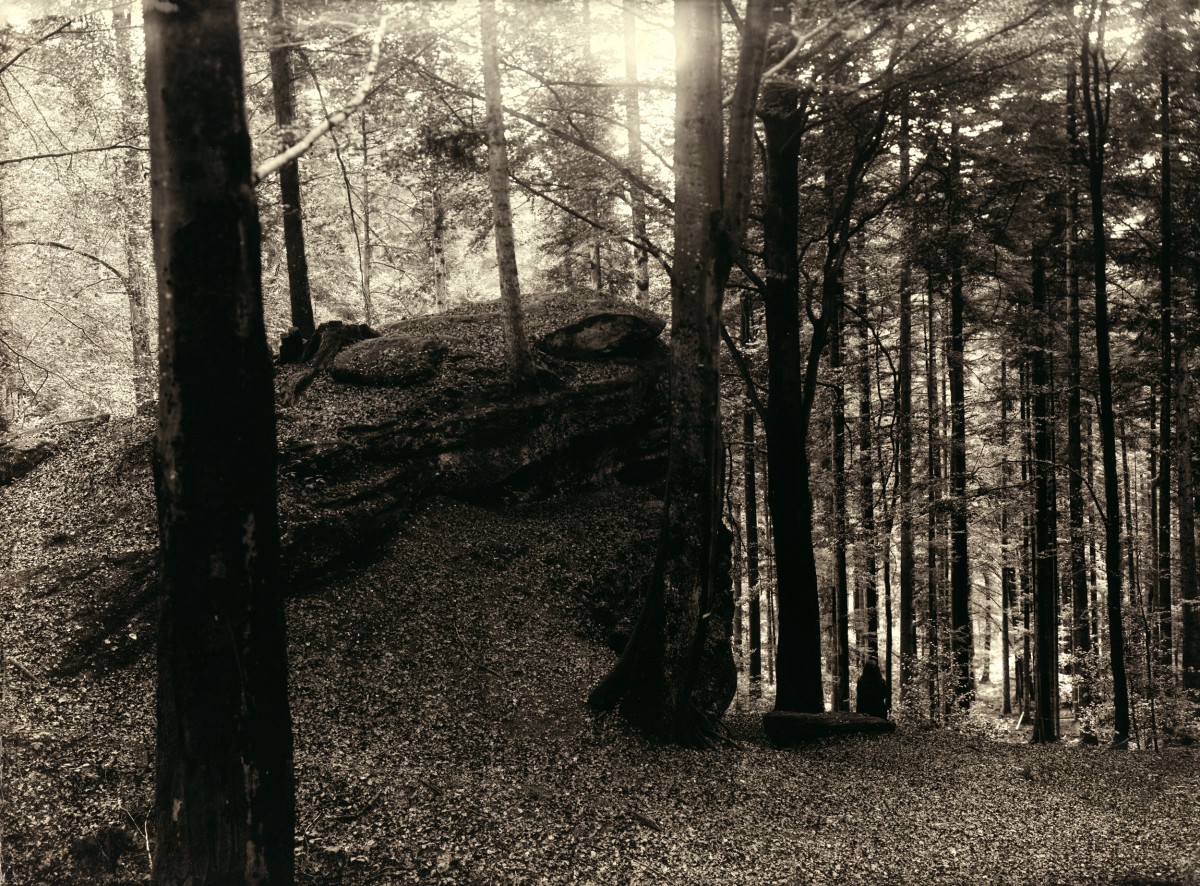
x=1007 y=572
x=366 y=217
x=908 y=567
x=789 y=498
x=1190 y=639
x=633 y=124
x=960 y=579
x=439 y=251
x=1027 y=547
x=841 y=698
x=1045 y=726
x=224 y=785
x=1080 y=620
x=750 y=486
x=520 y=357
x=1166 y=378
x=934 y=484
x=283 y=97
x=866 y=488
x=131 y=200
x=1097 y=100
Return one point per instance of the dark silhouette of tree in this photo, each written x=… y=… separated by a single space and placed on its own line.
x=1096 y=87
x=224 y=786
x=283 y=96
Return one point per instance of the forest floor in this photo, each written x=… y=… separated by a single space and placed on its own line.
x=442 y=736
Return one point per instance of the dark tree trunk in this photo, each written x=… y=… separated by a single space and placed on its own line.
x=1080 y=620
x=908 y=567
x=653 y=681
x=1166 y=381
x=798 y=664
x=866 y=488
x=283 y=97
x=1027 y=548
x=934 y=485
x=1045 y=546
x=960 y=579
x=1190 y=639
x=1008 y=579
x=224 y=787
x=520 y=357
x=1097 y=101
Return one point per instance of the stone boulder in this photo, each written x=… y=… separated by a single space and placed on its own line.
x=395 y=360
x=604 y=335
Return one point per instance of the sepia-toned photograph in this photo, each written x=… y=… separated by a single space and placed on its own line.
x=603 y=442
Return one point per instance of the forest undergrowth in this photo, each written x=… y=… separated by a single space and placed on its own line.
x=442 y=736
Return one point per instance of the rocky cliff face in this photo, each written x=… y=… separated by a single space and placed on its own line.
x=425 y=409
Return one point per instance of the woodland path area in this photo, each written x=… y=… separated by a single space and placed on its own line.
x=442 y=736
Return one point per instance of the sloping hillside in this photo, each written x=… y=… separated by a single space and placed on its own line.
x=440 y=663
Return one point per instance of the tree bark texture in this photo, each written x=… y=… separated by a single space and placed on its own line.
x=520 y=357
x=224 y=786
x=283 y=96
x=1008 y=577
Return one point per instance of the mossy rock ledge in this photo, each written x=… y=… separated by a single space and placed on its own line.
x=790 y=728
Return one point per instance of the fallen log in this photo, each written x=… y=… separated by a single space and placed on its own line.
x=789 y=728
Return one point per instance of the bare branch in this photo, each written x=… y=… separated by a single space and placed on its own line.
x=6 y=161
x=56 y=245
x=300 y=148
x=12 y=61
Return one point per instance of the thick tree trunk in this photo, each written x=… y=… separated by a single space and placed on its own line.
x=1096 y=106
x=789 y=498
x=520 y=357
x=908 y=626
x=283 y=97
x=960 y=579
x=131 y=200
x=1045 y=720
x=633 y=125
x=224 y=787
x=866 y=488
x=655 y=677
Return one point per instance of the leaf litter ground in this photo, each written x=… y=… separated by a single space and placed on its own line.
x=441 y=734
